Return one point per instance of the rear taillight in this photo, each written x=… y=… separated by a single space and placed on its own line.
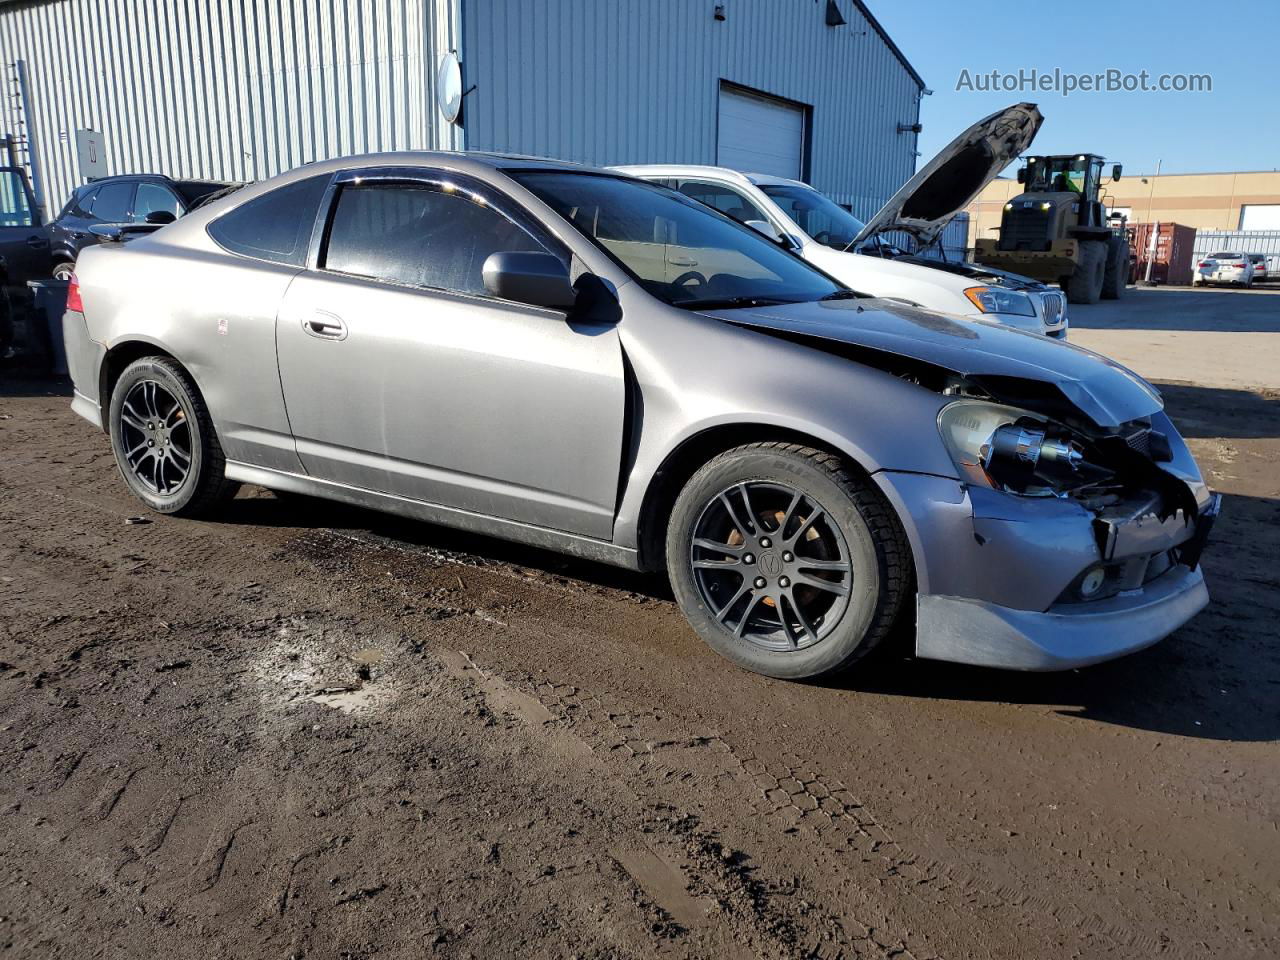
x=1205 y=263
x=73 y=296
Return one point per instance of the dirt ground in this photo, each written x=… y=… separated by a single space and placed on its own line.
x=311 y=731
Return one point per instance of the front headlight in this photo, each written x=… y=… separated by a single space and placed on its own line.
x=1014 y=450
x=995 y=300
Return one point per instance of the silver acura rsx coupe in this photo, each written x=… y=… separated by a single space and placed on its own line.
x=600 y=366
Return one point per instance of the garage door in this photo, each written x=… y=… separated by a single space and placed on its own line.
x=759 y=134
x=1260 y=216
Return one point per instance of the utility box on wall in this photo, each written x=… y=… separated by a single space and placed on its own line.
x=91 y=154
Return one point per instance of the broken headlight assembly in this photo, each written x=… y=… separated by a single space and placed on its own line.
x=1016 y=451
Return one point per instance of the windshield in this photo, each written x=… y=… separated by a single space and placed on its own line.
x=680 y=251
x=1058 y=174
x=15 y=208
x=816 y=215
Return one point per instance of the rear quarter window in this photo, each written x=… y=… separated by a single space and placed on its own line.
x=275 y=226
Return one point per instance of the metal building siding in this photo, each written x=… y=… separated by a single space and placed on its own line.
x=637 y=81
x=225 y=89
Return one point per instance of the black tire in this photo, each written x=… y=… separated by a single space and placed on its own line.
x=1085 y=285
x=63 y=269
x=1116 y=274
x=876 y=549
x=204 y=487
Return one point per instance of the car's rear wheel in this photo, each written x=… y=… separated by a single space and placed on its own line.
x=164 y=442
x=785 y=561
x=64 y=270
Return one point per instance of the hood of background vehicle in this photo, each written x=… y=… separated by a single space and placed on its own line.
x=1028 y=370
x=943 y=187
x=976 y=271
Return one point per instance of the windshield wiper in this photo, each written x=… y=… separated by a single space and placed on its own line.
x=712 y=303
x=843 y=295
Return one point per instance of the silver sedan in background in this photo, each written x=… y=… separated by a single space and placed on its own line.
x=604 y=367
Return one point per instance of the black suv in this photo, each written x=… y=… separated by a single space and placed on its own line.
x=117 y=200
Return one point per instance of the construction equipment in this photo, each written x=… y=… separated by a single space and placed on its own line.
x=1057 y=229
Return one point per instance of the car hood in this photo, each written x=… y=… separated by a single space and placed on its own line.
x=945 y=186
x=976 y=271
x=1048 y=376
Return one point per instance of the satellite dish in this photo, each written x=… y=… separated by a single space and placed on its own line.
x=449 y=87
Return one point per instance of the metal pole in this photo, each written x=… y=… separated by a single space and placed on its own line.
x=1153 y=227
x=33 y=153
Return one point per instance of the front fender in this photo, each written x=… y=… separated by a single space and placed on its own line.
x=766 y=387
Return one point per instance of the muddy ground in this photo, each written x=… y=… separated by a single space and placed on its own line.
x=311 y=731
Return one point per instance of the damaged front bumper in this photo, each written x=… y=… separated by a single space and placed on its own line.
x=998 y=576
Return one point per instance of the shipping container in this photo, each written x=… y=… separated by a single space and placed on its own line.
x=1174 y=253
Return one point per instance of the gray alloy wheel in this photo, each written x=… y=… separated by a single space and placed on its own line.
x=164 y=442
x=771 y=564
x=63 y=270
x=785 y=561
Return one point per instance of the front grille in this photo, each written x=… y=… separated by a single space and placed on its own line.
x=1052 y=308
x=1024 y=228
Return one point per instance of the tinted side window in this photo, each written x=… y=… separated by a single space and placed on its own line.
x=723 y=199
x=82 y=202
x=112 y=203
x=275 y=226
x=418 y=235
x=152 y=197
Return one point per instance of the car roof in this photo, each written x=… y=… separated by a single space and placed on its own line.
x=646 y=170
x=459 y=160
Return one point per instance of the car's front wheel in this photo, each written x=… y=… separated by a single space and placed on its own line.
x=785 y=561
x=164 y=442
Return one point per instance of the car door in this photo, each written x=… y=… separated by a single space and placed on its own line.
x=24 y=241
x=402 y=375
x=112 y=204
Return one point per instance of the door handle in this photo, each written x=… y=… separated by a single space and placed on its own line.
x=325 y=326
x=39 y=243
x=682 y=261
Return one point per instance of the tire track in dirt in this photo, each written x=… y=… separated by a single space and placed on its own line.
x=648 y=858
x=788 y=794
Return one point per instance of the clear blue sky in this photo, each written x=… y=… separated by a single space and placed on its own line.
x=1234 y=127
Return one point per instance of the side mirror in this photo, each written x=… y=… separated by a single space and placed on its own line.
x=160 y=217
x=1115 y=171
x=106 y=231
x=538 y=279
x=1022 y=174
x=765 y=228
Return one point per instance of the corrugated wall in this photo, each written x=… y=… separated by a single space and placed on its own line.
x=225 y=89
x=636 y=81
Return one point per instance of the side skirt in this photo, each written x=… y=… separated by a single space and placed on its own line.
x=555 y=540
